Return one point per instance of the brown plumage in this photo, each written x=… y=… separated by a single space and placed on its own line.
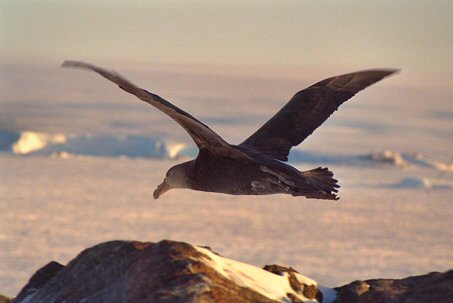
x=254 y=167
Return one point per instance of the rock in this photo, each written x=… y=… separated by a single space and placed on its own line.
x=433 y=287
x=39 y=279
x=137 y=272
x=310 y=291
x=4 y=299
x=177 y=272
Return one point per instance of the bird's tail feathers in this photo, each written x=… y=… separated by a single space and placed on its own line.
x=322 y=179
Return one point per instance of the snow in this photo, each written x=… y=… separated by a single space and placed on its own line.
x=56 y=200
x=329 y=295
x=268 y=284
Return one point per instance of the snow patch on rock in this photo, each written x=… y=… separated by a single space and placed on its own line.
x=273 y=286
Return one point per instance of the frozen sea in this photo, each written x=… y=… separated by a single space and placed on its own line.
x=79 y=160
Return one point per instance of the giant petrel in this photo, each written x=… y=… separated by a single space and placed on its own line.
x=256 y=166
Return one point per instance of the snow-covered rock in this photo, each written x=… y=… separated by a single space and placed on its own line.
x=177 y=272
x=167 y=271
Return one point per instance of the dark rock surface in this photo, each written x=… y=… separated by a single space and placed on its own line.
x=176 y=272
x=136 y=272
x=309 y=291
x=433 y=288
x=39 y=279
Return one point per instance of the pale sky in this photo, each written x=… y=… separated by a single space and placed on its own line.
x=416 y=35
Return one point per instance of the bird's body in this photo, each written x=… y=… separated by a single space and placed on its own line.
x=254 y=174
x=256 y=166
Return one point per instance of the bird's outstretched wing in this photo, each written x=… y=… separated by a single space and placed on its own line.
x=307 y=110
x=204 y=137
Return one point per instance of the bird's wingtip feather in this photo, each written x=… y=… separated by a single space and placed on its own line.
x=70 y=63
x=76 y=64
x=393 y=70
x=389 y=71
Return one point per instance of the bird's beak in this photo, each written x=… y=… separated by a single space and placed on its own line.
x=161 y=189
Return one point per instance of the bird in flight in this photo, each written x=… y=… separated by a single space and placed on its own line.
x=256 y=166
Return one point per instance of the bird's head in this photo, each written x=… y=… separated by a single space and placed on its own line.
x=176 y=178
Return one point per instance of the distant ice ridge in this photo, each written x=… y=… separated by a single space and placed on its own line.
x=405 y=159
x=422 y=182
x=60 y=145
x=37 y=143
x=390 y=157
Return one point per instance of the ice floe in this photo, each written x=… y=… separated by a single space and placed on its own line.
x=116 y=145
x=107 y=145
x=32 y=141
